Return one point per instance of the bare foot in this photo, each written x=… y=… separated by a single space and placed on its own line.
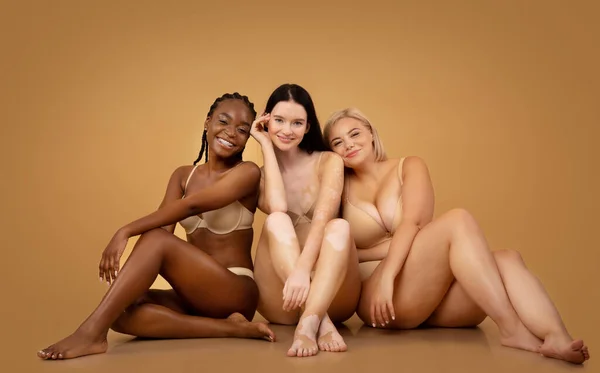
x=329 y=338
x=305 y=343
x=522 y=339
x=565 y=349
x=75 y=345
x=249 y=329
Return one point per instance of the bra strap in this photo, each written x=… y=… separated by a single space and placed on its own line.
x=188 y=179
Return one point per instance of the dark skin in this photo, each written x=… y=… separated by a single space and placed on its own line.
x=207 y=300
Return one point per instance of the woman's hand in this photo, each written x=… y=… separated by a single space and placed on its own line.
x=109 y=264
x=295 y=290
x=382 y=300
x=258 y=129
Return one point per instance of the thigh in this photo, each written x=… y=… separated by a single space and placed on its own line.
x=457 y=310
x=199 y=280
x=346 y=300
x=166 y=298
x=423 y=281
x=270 y=286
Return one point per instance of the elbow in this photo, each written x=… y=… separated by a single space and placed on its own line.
x=412 y=225
x=195 y=208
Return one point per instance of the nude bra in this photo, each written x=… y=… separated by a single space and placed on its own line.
x=232 y=217
x=368 y=228
x=306 y=217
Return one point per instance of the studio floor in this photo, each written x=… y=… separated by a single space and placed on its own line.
x=424 y=350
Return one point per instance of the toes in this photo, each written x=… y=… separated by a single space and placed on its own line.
x=339 y=346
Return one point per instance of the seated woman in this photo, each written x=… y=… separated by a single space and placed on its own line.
x=440 y=273
x=215 y=203
x=301 y=190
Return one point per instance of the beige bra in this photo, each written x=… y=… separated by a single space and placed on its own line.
x=232 y=217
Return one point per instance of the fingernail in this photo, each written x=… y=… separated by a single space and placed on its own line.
x=393 y=317
x=101 y=279
x=373 y=324
x=387 y=321
x=115 y=273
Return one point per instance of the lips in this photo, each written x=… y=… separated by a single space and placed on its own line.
x=284 y=140
x=352 y=153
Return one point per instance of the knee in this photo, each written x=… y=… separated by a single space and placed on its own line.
x=152 y=239
x=507 y=256
x=275 y=220
x=462 y=219
x=337 y=234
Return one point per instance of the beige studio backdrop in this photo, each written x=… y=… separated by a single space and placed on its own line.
x=101 y=101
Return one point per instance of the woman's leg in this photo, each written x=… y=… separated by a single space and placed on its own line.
x=529 y=299
x=454 y=238
x=272 y=267
x=193 y=275
x=456 y=310
x=335 y=274
x=342 y=307
x=536 y=309
x=163 y=315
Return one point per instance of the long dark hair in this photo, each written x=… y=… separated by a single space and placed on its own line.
x=313 y=139
x=226 y=96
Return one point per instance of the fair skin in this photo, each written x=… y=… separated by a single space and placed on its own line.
x=287 y=254
x=439 y=272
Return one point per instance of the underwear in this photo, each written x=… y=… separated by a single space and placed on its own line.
x=241 y=271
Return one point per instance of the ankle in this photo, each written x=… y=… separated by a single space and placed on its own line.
x=308 y=324
x=509 y=326
x=91 y=330
x=559 y=335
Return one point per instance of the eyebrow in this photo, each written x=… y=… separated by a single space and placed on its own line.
x=297 y=119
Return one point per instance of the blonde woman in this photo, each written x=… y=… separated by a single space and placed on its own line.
x=417 y=270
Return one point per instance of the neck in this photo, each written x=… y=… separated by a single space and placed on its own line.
x=219 y=164
x=367 y=169
x=288 y=159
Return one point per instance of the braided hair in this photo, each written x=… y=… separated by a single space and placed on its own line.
x=226 y=96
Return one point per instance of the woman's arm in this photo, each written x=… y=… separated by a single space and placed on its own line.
x=326 y=208
x=238 y=183
x=272 y=196
x=174 y=191
x=417 y=211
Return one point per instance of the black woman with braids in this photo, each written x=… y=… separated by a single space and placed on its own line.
x=211 y=273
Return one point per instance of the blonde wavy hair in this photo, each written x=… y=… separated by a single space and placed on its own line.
x=358 y=115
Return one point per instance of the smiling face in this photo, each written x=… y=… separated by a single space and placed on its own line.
x=288 y=125
x=228 y=128
x=352 y=140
